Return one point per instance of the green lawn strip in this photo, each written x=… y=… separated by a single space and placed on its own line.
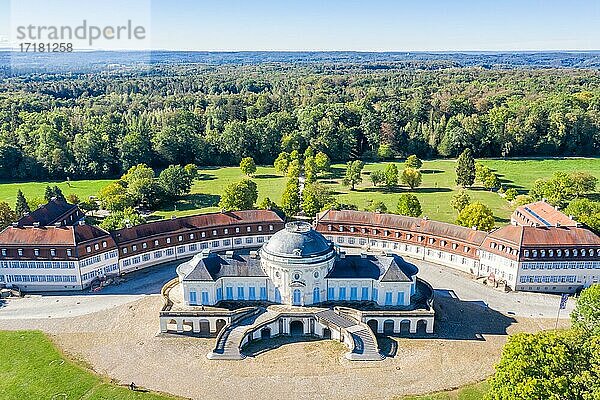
x=33 y=368
x=83 y=189
x=469 y=392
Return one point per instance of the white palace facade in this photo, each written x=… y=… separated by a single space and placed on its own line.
x=53 y=249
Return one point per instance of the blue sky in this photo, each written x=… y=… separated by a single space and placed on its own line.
x=375 y=25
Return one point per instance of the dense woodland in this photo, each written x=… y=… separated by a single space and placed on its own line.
x=100 y=124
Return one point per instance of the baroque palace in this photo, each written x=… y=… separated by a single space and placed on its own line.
x=247 y=275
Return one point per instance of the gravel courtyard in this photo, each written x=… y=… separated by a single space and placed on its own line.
x=117 y=336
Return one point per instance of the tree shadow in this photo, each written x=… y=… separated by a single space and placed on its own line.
x=432 y=171
x=431 y=190
x=501 y=220
x=267 y=176
x=197 y=200
x=206 y=177
x=337 y=172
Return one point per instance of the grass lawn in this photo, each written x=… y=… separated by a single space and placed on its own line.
x=435 y=193
x=469 y=392
x=83 y=189
x=32 y=368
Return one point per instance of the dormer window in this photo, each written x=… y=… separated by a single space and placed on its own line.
x=69 y=252
x=270 y=227
x=124 y=249
x=104 y=244
x=88 y=249
x=134 y=247
x=341 y=228
x=203 y=234
x=534 y=254
x=96 y=246
x=144 y=245
x=180 y=238
x=397 y=234
x=20 y=252
x=36 y=252
x=214 y=232
x=543 y=253
x=386 y=232
x=225 y=231
x=4 y=252
x=352 y=229
x=191 y=236
x=454 y=246
x=156 y=242
x=574 y=252
x=168 y=240
x=237 y=230
x=248 y=229
x=567 y=252
x=559 y=253
x=260 y=228
x=526 y=253
x=53 y=252
x=551 y=253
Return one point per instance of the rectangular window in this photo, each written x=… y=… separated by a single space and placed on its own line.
x=193 y=299
x=353 y=293
x=263 y=293
x=219 y=294
x=330 y=294
x=229 y=293
x=400 y=299
x=375 y=295
x=342 y=293
x=365 y=294
x=251 y=293
x=205 y=299
x=240 y=293
x=388 y=298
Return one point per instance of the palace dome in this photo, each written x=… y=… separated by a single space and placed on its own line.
x=297 y=240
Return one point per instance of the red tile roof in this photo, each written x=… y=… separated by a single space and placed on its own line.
x=183 y=224
x=415 y=225
x=542 y=214
x=43 y=236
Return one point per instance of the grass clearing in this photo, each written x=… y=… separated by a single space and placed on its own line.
x=33 y=368
x=470 y=392
x=435 y=193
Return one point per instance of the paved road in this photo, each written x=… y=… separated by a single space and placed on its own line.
x=71 y=304
x=446 y=281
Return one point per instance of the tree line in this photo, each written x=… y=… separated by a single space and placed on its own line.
x=102 y=124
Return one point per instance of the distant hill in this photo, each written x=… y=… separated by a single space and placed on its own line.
x=19 y=63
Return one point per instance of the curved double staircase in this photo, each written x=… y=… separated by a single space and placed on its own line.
x=362 y=343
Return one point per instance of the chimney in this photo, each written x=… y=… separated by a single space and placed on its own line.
x=127 y=225
x=58 y=224
x=229 y=254
x=558 y=225
x=36 y=224
x=571 y=217
x=254 y=254
x=15 y=224
x=425 y=217
x=474 y=227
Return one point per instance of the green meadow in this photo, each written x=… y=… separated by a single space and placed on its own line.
x=435 y=193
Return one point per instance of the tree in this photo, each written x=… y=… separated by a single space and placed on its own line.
x=239 y=196
x=586 y=315
x=147 y=193
x=413 y=162
x=290 y=200
x=486 y=176
x=376 y=206
x=267 y=204
x=122 y=219
x=323 y=162
x=409 y=205
x=72 y=198
x=353 y=173
x=558 y=190
x=248 y=166
x=585 y=211
x=476 y=215
x=377 y=177
x=175 y=181
x=460 y=200
x=561 y=364
x=56 y=192
x=583 y=183
x=391 y=175
x=411 y=177
x=522 y=199
x=465 y=169
x=385 y=152
x=314 y=197
x=310 y=169
x=282 y=163
x=114 y=197
x=7 y=215
x=294 y=169
x=139 y=171
x=21 y=206
x=48 y=194
x=88 y=206
x=511 y=194
x=336 y=205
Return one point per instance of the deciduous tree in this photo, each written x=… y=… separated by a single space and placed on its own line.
x=409 y=205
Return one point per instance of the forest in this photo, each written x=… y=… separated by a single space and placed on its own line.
x=99 y=124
